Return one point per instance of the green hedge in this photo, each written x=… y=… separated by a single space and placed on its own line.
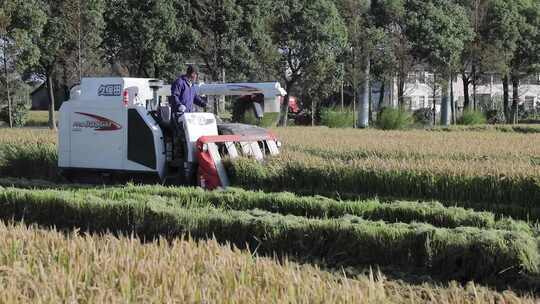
x=336 y=118
x=472 y=118
x=394 y=119
x=462 y=253
x=516 y=197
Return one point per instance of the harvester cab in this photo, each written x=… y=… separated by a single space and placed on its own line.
x=124 y=127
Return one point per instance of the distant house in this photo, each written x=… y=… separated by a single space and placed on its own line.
x=419 y=91
x=40 y=98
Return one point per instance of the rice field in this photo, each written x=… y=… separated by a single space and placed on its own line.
x=499 y=252
x=48 y=266
x=39 y=118
x=458 y=153
x=488 y=170
x=459 y=205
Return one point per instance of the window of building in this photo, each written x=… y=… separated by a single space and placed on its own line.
x=529 y=103
x=422 y=101
x=407 y=102
x=411 y=78
x=485 y=79
x=534 y=79
x=497 y=79
x=414 y=103
x=421 y=76
x=430 y=101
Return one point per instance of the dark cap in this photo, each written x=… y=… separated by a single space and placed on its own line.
x=191 y=69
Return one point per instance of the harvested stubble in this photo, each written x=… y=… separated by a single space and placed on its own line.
x=461 y=253
x=50 y=267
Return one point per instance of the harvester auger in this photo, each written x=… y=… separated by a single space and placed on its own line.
x=124 y=128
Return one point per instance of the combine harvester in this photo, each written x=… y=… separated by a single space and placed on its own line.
x=123 y=127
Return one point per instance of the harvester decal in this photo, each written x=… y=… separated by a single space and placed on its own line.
x=98 y=123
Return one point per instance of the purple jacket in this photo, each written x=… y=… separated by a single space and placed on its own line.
x=185 y=95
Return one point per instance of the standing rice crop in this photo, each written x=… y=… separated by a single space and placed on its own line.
x=52 y=267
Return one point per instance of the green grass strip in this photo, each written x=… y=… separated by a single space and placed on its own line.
x=320 y=207
x=287 y=203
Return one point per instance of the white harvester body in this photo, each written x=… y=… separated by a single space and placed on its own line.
x=123 y=125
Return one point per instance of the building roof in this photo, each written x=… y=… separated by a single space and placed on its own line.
x=37 y=89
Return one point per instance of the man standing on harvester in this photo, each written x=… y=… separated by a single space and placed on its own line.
x=184 y=94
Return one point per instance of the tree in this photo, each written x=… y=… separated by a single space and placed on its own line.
x=500 y=33
x=439 y=30
x=352 y=12
x=391 y=16
x=365 y=42
x=471 y=56
x=232 y=38
x=21 y=23
x=526 y=57
x=149 y=38
x=259 y=54
x=306 y=33
x=83 y=54
x=51 y=45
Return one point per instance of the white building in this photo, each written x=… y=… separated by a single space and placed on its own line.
x=419 y=92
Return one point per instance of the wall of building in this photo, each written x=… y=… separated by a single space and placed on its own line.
x=419 y=91
x=40 y=98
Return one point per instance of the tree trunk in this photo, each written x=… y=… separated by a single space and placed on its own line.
x=370 y=105
x=363 y=110
x=8 y=91
x=474 y=80
x=354 y=106
x=312 y=112
x=467 y=99
x=342 y=95
x=157 y=71
x=515 y=98
x=285 y=105
x=452 y=101
x=50 y=90
x=79 y=40
x=401 y=90
x=381 y=95
x=445 y=105
x=434 y=105
x=506 y=98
